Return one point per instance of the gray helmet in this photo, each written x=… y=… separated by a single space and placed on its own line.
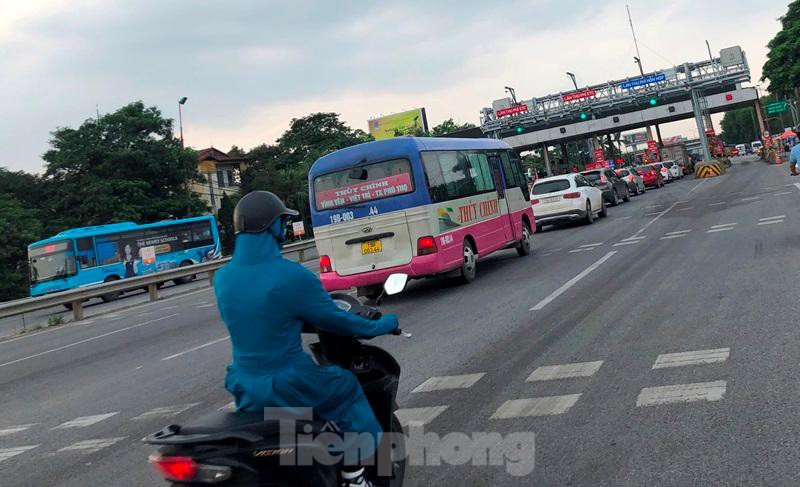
x=256 y=212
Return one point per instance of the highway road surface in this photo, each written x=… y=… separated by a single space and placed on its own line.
x=657 y=346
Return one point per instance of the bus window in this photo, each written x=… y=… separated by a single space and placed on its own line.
x=86 y=255
x=383 y=179
x=108 y=249
x=481 y=171
x=515 y=177
x=452 y=175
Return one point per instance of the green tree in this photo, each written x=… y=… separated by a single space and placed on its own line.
x=738 y=126
x=449 y=126
x=126 y=165
x=283 y=168
x=783 y=59
x=19 y=226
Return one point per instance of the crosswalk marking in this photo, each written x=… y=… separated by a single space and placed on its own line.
x=6 y=453
x=564 y=371
x=92 y=446
x=84 y=421
x=165 y=412
x=10 y=430
x=536 y=406
x=419 y=416
x=681 y=393
x=448 y=382
x=695 y=357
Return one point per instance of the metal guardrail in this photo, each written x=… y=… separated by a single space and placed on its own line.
x=304 y=251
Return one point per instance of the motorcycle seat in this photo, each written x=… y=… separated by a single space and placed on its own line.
x=221 y=422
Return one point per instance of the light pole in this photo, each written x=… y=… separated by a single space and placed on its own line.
x=511 y=92
x=181 y=102
x=639 y=62
x=572 y=77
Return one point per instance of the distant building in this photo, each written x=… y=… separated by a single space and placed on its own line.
x=222 y=174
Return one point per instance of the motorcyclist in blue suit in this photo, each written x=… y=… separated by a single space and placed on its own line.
x=264 y=300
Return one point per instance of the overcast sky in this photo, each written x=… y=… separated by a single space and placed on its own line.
x=248 y=67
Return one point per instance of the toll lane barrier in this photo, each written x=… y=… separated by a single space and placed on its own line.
x=711 y=170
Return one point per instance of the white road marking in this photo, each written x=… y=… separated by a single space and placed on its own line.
x=112 y=316
x=6 y=453
x=206 y=305
x=546 y=254
x=633 y=238
x=419 y=416
x=724 y=225
x=87 y=340
x=590 y=245
x=142 y=315
x=719 y=203
x=623 y=217
x=671 y=237
x=194 y=349
x=681 y=393
x=116 y=318
x=751 y=198
x=231 y=406
x=85 y=421
x=564 y=371
x=778 y=217
x=767 y=188
x=716 y=230
x=650 y=214
x=446 y=382
x=10 y=430
x=647 y=225
x=655 y=206
x=770 y=222
x=556 y=250
x=797 y=185
x=630 y=242
x=580 y=250
x=558 y=292
x=685 y=209
x=92 y=446
x=165 y=412
x=167 y=308
x=536 y=406
x=782 y=193
x=681 y=202
x=698 y=185
x=678 y=232
x=695 y=357
x=199 y=303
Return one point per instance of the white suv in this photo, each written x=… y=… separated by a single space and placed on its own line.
x=570 y=197
x=675 y=171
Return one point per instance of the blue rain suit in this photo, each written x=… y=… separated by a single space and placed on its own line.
x=264 y=300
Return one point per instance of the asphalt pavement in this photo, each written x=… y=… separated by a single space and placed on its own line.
x=654 y=347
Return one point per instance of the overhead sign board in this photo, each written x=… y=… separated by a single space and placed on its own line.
x=635 y=138
x=516 y=109
x=731 y=56
x=777 y=107
x=643 y=81
x=578 y=95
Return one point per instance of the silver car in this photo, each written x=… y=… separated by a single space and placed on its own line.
x=634 y=180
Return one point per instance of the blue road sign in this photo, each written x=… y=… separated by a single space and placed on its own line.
x=645 y=80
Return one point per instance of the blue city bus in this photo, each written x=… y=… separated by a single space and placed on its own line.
x=92 y=255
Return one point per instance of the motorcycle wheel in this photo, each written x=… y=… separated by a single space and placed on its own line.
x=398 y=464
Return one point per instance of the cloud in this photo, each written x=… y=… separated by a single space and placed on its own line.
x=249 y=67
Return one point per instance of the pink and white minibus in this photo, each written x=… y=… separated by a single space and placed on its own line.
x=418 y=206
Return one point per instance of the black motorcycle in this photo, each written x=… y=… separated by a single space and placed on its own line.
x=239 y=448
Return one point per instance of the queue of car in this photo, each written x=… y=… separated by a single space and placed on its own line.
x=585 y=196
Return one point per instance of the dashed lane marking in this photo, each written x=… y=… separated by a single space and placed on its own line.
x=685 y=209
x=629 y=242
x=782 y=193
x=85 y=340
x=165 y=412
x=590 y=245
x=777 y=217
x=447 y=382
x=719 y=203
x=92 y=446
x=770 y=222
x=10 y=430
x=696 y=357
x=682 y=393
x=723 y=225
x=656 y=218
x=678 y=232
x=85 y=421
x=581 y=250
x=623 y=218
x=672 y=237
x=536 y=406
x=206 y=305
x=6 y=453
x=558 y=292
x=142 y=315
x=634 y=238
x=167 y=308
x=751 y=198
x=194 y=349
x=564 y=371
x=419 y=416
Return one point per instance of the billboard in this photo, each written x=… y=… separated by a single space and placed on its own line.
x=387 y=126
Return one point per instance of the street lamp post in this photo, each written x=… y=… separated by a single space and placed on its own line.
x=639 y=62
x=511 y=92
x=572 y=77
x=181 y=102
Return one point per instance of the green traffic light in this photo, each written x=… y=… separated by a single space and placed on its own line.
x=653 y=101
x=519 y=130
x=583 y=116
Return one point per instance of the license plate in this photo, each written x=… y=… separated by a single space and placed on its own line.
x=371 y=247
x=550 y=200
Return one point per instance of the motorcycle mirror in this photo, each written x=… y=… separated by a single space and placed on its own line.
x=395 y=283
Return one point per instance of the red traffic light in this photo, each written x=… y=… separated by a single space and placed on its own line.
x=728 y=97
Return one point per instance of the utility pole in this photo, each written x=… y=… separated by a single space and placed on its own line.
x=698 y=118
x=638 y=60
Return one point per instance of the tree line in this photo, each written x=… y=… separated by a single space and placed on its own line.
x=129 y=166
